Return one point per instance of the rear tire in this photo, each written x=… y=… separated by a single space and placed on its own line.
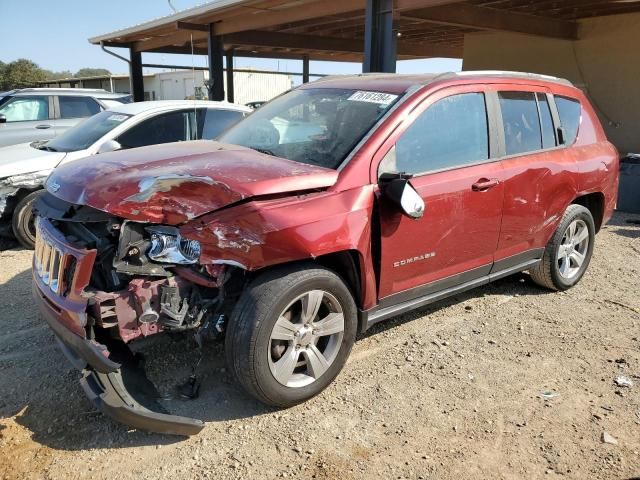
x=568 y=253
x=313 y=317
x=22 y=223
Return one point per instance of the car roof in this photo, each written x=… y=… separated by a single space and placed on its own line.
x=400 y=83
x=142 y=107
x=83 y=92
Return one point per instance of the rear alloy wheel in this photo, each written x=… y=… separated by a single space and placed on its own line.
x=568 y=253
x=572 y=251
x=291 y=333
x=23 y=221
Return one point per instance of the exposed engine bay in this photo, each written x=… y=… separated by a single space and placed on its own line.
x=145 y=280
x=132 y=295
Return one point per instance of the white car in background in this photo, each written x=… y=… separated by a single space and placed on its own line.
x=24 y=167
x=30 y=114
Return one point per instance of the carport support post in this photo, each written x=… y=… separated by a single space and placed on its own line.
x=135 y=75
x=230 y=92
x=305 y=69
x=216 y=67
x=379 y=37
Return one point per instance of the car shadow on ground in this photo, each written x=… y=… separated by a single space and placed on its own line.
x=519 y=284
x=43 y=395
x=41 y=391
x=626 y=225
x=9 y=244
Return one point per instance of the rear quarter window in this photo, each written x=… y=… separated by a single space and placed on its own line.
x=570 y=112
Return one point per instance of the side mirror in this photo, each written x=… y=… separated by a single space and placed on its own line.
x=109 y=146
x=3 y=118
x=398 y=189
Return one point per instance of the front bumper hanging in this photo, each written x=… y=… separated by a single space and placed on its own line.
x=58 y=292
x=107 y=392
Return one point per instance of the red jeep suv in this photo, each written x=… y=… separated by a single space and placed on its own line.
x=337 y=205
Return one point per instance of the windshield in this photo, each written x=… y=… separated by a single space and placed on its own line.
x=111 y=102
x=86 y=133
x=314 y=126
x=117 y=100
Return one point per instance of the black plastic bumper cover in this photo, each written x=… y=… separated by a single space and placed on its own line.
x=102 y=382
x=108 y=393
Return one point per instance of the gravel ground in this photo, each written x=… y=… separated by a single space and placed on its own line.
x=507 y=381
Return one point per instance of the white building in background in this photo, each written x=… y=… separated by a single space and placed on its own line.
x=253 y=86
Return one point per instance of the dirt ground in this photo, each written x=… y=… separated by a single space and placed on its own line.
x=508 y=381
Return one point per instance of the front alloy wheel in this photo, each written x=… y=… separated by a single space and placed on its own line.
x=290 y=333
x=306 y=338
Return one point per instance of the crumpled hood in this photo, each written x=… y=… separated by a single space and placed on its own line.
x=175 y=182
x=23 y=158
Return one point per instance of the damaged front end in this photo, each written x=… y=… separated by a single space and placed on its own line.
x=103 y=282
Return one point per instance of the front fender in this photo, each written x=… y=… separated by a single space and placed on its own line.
x=260 y=234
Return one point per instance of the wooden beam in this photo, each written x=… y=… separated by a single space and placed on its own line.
x=252 y=20
x=192 y=26
x=178 y=38
x=253 y=53
x=483 y=18
x=256 y=38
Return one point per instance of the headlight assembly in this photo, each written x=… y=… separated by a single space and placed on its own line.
x=168 y=246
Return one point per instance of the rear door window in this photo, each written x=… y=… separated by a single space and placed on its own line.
x=25 y=109
x=522 y=131
x=163 y=128
x=452 y=132
x=570 y=112
x=77 y=107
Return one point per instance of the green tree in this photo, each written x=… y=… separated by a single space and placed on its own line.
x=2 y=67
x=21 y=73
x=58 y=75
x=92 y=72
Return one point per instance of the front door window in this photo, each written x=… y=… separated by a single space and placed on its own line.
x=451 y=133
x=25 y=109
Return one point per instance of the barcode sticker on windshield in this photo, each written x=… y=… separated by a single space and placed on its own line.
x=117 y=118
x=373 y=97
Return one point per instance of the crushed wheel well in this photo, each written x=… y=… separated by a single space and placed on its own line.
x=594 y=202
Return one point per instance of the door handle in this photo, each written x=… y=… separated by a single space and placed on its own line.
x=43 y=126
x=484 y=184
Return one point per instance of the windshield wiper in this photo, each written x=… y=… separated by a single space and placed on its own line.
x=42 y=145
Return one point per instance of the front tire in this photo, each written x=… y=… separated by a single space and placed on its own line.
x=291 y=333
x=568 y=253
x=23 y=221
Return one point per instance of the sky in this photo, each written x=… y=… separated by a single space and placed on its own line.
x=54 y=33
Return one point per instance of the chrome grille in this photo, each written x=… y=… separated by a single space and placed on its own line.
x=50 y=265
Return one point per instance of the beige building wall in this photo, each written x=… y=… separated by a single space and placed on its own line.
x=605 y=62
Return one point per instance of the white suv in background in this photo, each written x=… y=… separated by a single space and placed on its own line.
x=32 y=114
x=24 y=167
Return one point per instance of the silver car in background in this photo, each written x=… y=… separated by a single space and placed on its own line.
x=25 y=167
x=32 y=114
